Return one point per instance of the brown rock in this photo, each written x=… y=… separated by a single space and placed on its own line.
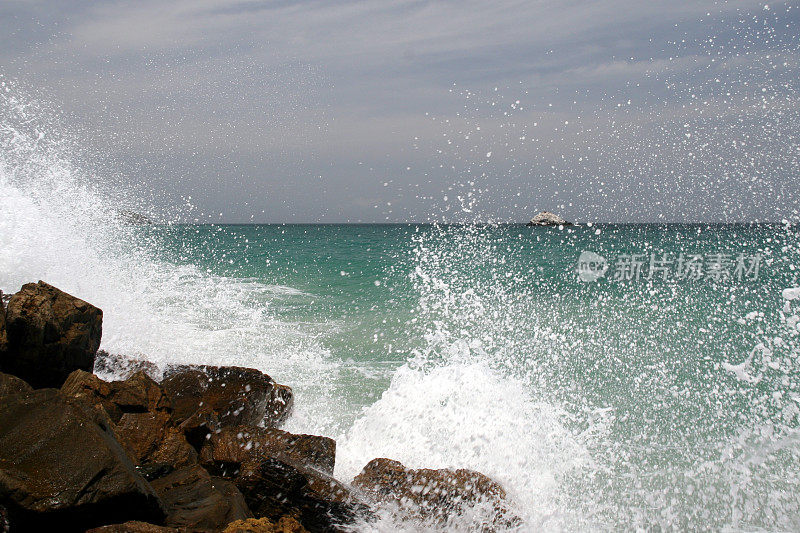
x=62 y=469
x=151 y=439
x=137 y=394
x=231 y=447
x=10 y=385
x=197 y=501
x=273 y=488
x=285 y=524
x=50 y=333
x=238 y=396
x=136 y=527
x=107 y=364
x=199 y=426
x=3 y=338
x=435 y=495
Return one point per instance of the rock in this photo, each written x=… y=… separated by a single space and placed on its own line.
x=286 y=524
x=116 y=365
x=151 y=439
x=62 y=469
x=195 y=500
x=237 y=445
x=50 y=334
x=10 y=385
x=199 y=426
x=283 y=474
x=3 y=338
x=137 y=394
x=546 y=218
x=437 y=495
x=238 y=396
x=273 y=488
x=136 y=527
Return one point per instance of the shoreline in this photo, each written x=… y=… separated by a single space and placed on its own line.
x=185 y=448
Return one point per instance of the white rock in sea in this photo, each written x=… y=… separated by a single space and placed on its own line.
x=546 y=218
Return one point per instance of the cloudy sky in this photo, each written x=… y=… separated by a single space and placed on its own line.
x=271 y=111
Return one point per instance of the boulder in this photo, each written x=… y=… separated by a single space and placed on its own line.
x=122 y=366
x=136 y=527
x=273 y=488
x=3 y=338
x=238 y=396
x=280 y=473
x=237 y=445
x=152 y=439
x=50 y=333
x=195 y=500
x=137 y=394
x=437 y=495
x=199 y=426
x=286 y=524
x=546 y=218
x=10 y=385
x=62 y=469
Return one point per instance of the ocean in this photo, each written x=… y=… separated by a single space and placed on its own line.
x=611 y=377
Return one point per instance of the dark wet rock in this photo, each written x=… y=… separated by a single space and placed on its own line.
x=286 y=524
x=122 y=366
x=437 y=495
x=238 y=396
x=62 y=469
x=199 y=426
x=3 y=337
x=247 y=444
x=50 y=333
x=273 y=488
x=151 y=471
x=195 y=500
x=137 y=394
x=151 y=438
x=10 y=385
x=5 y=520
x=136 y=527
x=546 y=218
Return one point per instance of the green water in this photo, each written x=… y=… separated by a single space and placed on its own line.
x=641 y=367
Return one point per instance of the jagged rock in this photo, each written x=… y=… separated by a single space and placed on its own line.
x=238 y=396
x=50 y=333
x=199 y=426
x=62 y=469
x=286 y=524
x=137 y=394
x=283 y=474
x=273 y=488
x=10 y=385
x=195 y=500
x=116 y=365
x=136 y=527
x=151 y=439
x=247 y=444
x=546 y=218
x=3 y=338
x=436 y=495
x=5 y=519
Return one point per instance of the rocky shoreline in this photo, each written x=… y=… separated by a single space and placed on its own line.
x=190 y=448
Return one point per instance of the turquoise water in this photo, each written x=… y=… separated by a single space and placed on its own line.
x=642 y=362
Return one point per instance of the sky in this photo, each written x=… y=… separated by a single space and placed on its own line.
x=374 y=111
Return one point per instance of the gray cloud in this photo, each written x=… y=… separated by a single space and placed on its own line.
x=321 y=111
